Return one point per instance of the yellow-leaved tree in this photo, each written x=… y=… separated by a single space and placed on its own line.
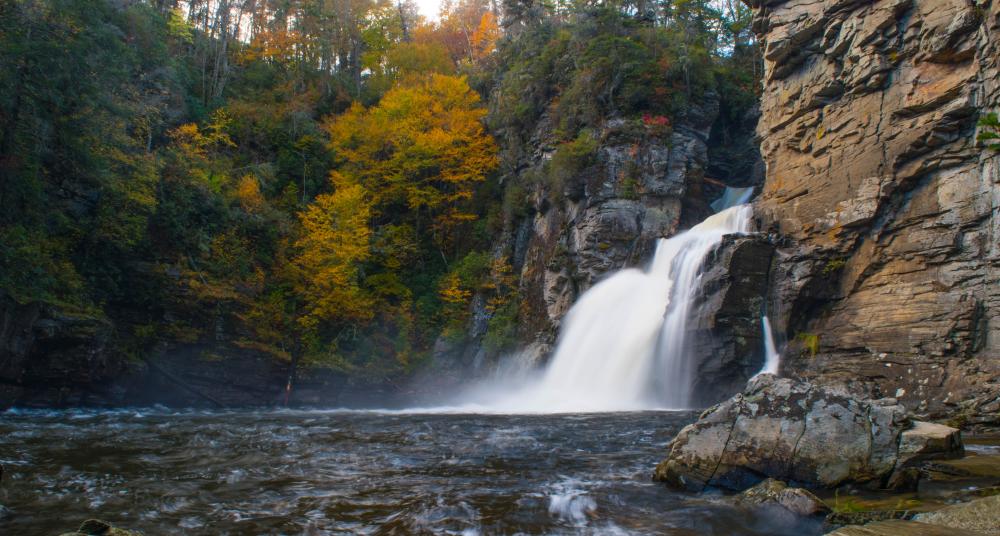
x=333 y=243
x=419 y=153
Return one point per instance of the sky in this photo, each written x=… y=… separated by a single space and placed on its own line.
x=429 y=8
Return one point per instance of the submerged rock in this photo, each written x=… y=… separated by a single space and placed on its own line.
x=799 y=432
x=775 y=492
x=96 y=527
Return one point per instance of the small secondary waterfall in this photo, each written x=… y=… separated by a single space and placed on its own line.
x=622 y=345
x=772 y=359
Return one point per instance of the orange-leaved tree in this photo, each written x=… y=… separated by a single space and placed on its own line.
x=419 y=153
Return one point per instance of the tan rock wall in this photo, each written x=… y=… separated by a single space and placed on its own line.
x=889 y=274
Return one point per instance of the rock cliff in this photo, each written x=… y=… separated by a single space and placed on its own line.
x=641 y=186
x=886 y=277
x=51 y=356
x=597 y=208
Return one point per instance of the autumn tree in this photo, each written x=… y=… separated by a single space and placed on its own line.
x=419 y=153
x=332 y=245
x=468 y=28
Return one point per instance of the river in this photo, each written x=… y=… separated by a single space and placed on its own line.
x=342 y=472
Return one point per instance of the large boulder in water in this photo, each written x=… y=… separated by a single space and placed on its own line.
x=801 y=433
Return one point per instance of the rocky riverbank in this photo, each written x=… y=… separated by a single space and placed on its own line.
x=868 y=461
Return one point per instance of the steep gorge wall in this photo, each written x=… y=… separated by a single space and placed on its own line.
x=887 y=272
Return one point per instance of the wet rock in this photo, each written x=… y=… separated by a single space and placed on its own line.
x=864 y=517
x=792 y=430
x=96 y=527
x=900 y=528
x=726 y=335
x=775 y=492
x=982 y=515
x=643 y=185
x=929 y=441
x=985 y=468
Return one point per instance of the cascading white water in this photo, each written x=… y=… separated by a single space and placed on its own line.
x=622 y=344
x=732 y=197
x=772 y=359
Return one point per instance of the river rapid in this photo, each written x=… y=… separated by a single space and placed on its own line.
x=349 y=472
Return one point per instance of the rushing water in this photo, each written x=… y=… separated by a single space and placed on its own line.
x=327 y=472
x=622 y=345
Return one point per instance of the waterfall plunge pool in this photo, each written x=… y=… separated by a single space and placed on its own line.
x=436 y=471
x=354 y=472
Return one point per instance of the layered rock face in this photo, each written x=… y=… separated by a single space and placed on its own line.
x=886 y=204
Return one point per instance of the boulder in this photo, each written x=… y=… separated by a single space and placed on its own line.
x=795 y=431
x=929 y=441
x=923 y=441
x=775 y=492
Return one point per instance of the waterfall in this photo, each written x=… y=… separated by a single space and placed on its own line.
x=622 y=345
x=772 y=359
x=732 y=197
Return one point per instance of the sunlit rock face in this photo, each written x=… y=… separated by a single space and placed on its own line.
x=887 y=205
